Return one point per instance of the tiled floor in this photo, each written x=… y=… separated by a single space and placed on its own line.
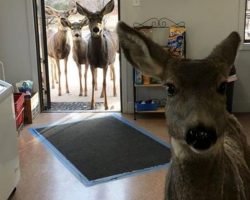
x=43 y=177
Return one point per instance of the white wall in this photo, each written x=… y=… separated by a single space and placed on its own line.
x=17 y=45
x=207 y=22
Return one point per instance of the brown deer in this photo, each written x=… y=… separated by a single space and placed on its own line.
x=58 y=43
x=79 y=49
x=210 y=153
x=101 y=47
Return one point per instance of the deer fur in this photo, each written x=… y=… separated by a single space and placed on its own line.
x=79 y=50
x=210 y=153
x=58 y=44
x=101 y=47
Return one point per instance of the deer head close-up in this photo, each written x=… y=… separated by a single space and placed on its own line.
x=210 y=154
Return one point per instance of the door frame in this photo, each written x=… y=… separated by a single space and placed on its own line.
x=47 y=105
x=43 y=105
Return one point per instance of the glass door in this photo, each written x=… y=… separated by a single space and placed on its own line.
x=42 y=59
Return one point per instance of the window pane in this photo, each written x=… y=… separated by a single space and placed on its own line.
x=247 y=24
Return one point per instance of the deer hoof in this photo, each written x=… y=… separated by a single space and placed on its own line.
x=80 y=94
x=59 y=94
x=106 y=107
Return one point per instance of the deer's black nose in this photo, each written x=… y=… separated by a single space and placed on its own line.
x=96 y=29
x=77 y=35
x=201 y=137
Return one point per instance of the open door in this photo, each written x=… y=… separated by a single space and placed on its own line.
x=46 y=23
x=42 y=59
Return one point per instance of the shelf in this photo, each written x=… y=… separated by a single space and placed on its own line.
x=148 y=85
x=159 y=110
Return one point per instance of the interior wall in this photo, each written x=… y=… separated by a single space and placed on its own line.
x=207 y=23
x=17 y=42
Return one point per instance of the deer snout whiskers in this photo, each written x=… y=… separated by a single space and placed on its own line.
x=201 y=137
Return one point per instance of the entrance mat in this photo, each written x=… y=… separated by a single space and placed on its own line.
x=68 y=106
x=105 y=148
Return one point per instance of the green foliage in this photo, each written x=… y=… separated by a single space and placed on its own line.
x=61 y=6
x=58 y=4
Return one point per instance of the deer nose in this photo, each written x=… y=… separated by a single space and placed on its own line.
x=77 y=35
x=96 y=29
x=201 y=137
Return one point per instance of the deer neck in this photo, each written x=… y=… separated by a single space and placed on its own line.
x=61 y=38
x=98 y=51
x=77 y=43
x=98 y=42
x=194 y=173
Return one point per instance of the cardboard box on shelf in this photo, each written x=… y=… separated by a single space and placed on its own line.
x=31 y=108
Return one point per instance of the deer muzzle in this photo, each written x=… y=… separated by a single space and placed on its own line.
x=201 y=137
x=96 y=30
x=77 y=35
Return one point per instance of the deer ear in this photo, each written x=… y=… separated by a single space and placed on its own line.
x=142 y=52
x=108 y=8
x=65 y=22
x=72 y=11
x=226 y=51
x=51 y=11
x=84 y=22
x=81 y=10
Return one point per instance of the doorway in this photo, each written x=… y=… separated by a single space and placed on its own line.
x=48 y=90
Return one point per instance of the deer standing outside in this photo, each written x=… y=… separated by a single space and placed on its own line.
x=58 y=43
x=101 y=47
x=210 y=153
x=79 y=50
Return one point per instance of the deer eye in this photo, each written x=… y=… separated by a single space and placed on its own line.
x=171 y=89
x=222 y=88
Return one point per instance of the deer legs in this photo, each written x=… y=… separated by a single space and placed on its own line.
x=93 y=71
x=112 y=77
x=112 y=69
x=80 y=78
x=53 y=72
x=85 y=79
x=105 y=69
x=66 y=72
x=59 y=77
x=96 y=88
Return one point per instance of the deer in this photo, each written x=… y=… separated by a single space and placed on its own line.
x=210 y=152
x=58 y=44
x=101 y=49
x=79 y=49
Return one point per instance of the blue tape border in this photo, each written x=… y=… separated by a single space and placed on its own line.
x=83 y=179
